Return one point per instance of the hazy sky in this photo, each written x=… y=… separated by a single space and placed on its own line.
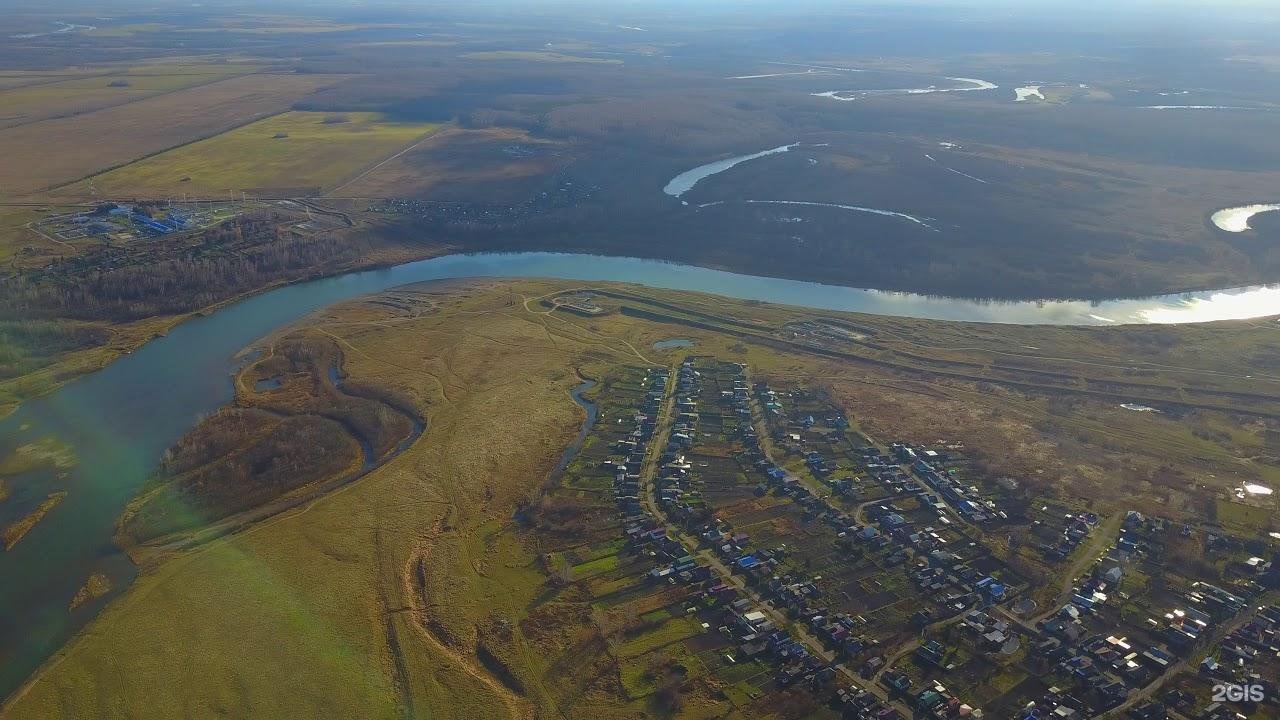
x=1081 y=11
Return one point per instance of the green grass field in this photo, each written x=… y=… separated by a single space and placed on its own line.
x=13 y=231
x=293 y=150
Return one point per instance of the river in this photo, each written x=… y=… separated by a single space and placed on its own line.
x=592 y=411
x=120 y=419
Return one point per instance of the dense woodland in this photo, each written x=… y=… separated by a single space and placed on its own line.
x=169 y=277
x=27 y=345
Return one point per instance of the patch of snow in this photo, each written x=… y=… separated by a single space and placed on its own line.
x=810 y=71
x=851 y=95
x=854 y=208
x=1027 y=92
x=1237 y=219
x=1220 y=305
x=818 y=67
x=963 y=174
x=977 y=84
x=835 y=95
x=685 y=181
x=61 y=29
x=931 y=158
x=1138 y=408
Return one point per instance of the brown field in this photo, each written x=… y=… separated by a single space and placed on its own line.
x=105 y=88
x=90 y=143
x=22 y=78
x=464 y=165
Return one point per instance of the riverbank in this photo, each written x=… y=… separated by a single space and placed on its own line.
x=123 y=338
x=1189 y=307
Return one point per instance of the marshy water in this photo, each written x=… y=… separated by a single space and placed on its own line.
x=673 y=344
x=592 y=414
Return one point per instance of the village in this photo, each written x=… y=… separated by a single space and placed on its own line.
x=771 y=547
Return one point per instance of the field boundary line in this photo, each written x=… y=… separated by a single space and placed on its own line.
x=193 y=141
x=160 y=94
x=370 y=170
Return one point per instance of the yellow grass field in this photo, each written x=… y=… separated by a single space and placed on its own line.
x=55 y=152
x=106 y=88
x=302 y=151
